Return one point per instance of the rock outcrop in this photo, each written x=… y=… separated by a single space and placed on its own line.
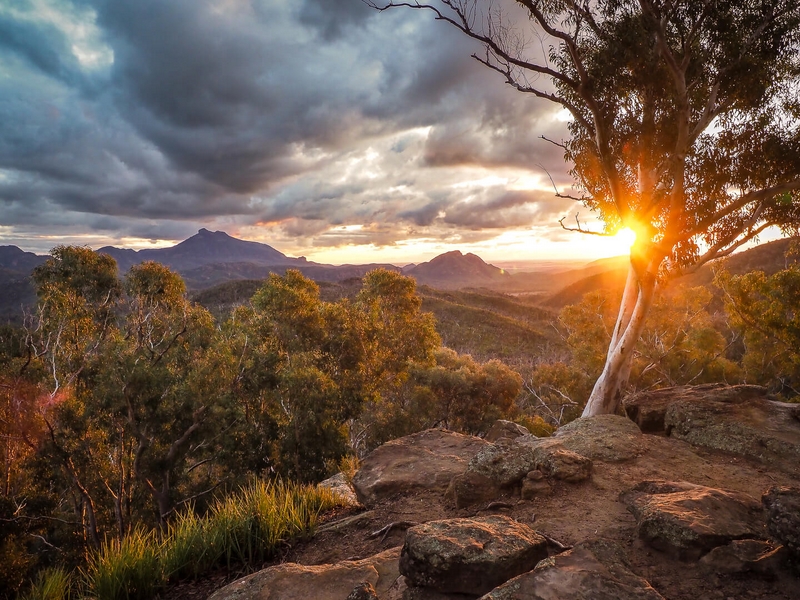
x=505 y=429
x=469 y=556
x=592 y=570
x=739 y=419
x=622 y=514
x=291 y=581
x=423 y=461
x=689 y=520
x=567 y=456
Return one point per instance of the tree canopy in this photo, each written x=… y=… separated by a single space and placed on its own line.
x=685 y=125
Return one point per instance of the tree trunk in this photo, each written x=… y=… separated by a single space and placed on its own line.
x=636 y=302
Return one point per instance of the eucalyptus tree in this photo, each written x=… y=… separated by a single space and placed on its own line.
x=684 y=125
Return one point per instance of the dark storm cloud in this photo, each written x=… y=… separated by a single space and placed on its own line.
x=333 y=17
x=42 y=45
x=506 y=209
x=254 y=112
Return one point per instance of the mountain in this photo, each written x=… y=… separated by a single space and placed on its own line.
x=454 y=270
x=202 y=249
x=15 y=260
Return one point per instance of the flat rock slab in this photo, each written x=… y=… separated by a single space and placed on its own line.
x=427 y=460
x=593 y=570
x=689 y=520
x=469 y=556
x=291 y=581
x=739 y=419
x=648 y=409
x=747 y=556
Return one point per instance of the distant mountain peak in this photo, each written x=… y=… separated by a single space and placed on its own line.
x=454 y=269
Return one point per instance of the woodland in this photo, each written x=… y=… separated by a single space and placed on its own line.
x=127 y=408
x=146 y=437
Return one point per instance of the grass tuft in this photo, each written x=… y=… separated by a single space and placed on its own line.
x=50 y=584
x=243 y=530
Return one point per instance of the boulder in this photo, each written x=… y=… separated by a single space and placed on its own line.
x=427 y=460
x=339 y=484
x=783 y=516
x=506 y=464
x=290 y=581
x=738 y=419
x=648 y=409
x=472 y=488
x=505 y=429
x=593 y=570
x=469 y=556
x=560 y=463
x=609 y=438
x=689 y=520
x=746 y=556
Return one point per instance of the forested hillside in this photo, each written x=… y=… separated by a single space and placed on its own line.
x=127 y=406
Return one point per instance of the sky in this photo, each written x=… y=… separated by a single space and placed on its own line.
x=320 y=127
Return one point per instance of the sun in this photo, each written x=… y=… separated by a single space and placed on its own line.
x=625 y=238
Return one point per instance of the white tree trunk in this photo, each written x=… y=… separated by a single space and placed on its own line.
x=636 y=302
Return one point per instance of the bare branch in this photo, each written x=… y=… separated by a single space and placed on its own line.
x=579 y=229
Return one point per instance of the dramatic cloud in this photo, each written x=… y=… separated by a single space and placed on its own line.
x=310 y=125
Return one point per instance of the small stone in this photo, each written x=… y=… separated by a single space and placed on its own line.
x=535 y=475
x=531 y=489
x=363 y=591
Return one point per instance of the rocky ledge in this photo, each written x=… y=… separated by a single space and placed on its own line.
x=704 y=504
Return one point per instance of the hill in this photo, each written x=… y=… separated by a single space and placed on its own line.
x=454 y=270
x=202 y=249
x=610 y=274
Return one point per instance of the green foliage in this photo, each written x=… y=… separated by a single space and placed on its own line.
x=555 y=392
x=125 y=569
x=53 y=583
x=312 y=370
x=765 y=309
x=242 y=530
x=681 y=343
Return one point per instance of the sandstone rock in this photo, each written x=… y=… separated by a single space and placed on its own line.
x=738 y=419
x=560 y=463
x=505 y=429
x=593 y=570
x=427 y=460
x=783 y=516
x=339 y=484
x=291 y=581
x=610 y=438
x=504 y=465
x=531 y=488
x=506 y=462
x=648 y=409
x=469 y=556
x=472 y=488
x=743 y=556
x=690 y=522
x=363 y=591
